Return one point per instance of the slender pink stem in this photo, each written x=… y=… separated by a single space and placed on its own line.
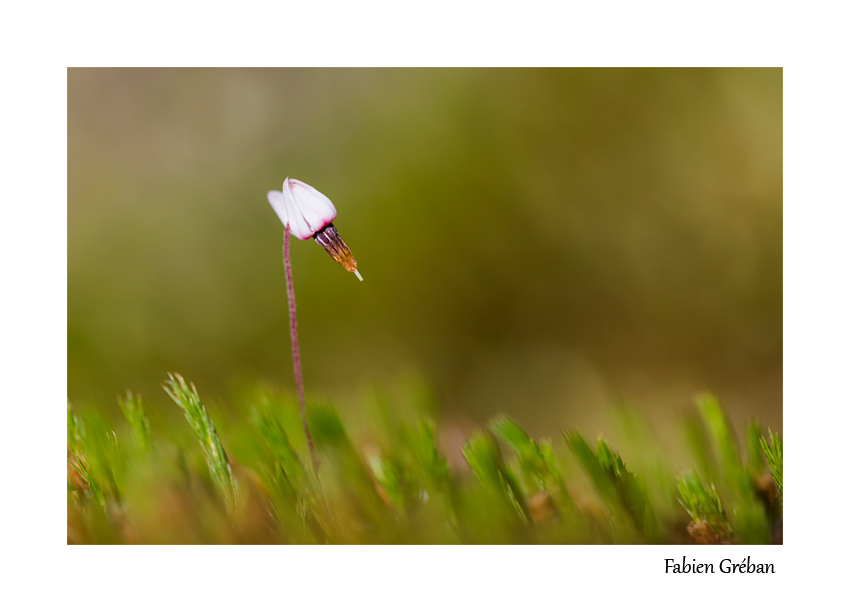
x=296 y=354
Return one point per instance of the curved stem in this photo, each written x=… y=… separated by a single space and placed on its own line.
x=296 y=354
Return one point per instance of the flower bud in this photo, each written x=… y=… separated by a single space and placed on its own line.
x=309 y=214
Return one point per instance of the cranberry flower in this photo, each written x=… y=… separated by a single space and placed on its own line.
x=309 y=214
x=306 y=213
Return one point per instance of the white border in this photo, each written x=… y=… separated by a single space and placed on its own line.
x=42 y=41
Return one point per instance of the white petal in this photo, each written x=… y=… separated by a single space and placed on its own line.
x=315 y=207
x=297 y=223
x=278 y=203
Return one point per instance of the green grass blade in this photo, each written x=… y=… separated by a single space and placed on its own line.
x=772 y=448
x=709 y=522
x=187 y=398
x=484 y=456
x=134 y=412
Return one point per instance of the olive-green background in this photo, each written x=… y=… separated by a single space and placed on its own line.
x=546 y=243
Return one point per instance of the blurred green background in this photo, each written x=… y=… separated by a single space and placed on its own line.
x=545 y=243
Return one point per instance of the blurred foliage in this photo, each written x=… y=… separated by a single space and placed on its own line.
x=246 y=482
x=550 y=239
x=709 y=522
x=623 y=491
x=772 y=447
x=134 y=412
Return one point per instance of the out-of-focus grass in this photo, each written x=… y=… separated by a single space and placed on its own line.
x=246 y=482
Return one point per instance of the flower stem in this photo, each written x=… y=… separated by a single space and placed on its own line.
x=296 y=354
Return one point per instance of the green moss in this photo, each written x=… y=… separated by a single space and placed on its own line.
x=393 y=483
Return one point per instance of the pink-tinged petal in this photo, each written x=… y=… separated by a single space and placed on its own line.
x=315 y=207
x=297 y=223
x=278 y=203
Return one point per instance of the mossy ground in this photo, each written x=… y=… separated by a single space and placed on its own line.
x=249 y=480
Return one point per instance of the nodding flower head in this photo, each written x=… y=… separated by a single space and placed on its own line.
x=309 y=214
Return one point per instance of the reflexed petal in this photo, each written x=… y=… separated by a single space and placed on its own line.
x=276 y=199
